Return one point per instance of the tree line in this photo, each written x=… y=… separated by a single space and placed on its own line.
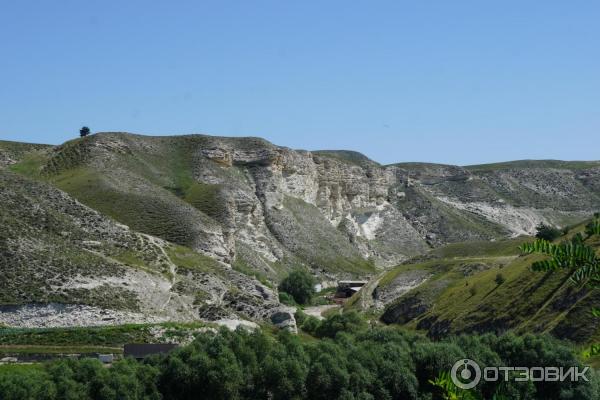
x=342 y=357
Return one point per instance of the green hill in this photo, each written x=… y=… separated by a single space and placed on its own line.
x=489 y=287
x=176 y=189
x=208 y=224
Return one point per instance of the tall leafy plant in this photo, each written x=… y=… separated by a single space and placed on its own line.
x=574 y=255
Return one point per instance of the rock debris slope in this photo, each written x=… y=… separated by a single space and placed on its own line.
x=64 y=264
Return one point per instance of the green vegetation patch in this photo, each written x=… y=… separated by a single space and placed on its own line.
x=186 y=259
x=31 y=164
x=485 y=249
x=206 y=198
x=161 y=215
x=68 y=349
x=430 y=266
x=103 y=336
x=240 y=265
x=496 y=293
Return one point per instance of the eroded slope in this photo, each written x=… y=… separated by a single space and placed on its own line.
x=62 y=264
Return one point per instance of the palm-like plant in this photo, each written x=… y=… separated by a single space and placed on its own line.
x=574 y=255
x=593 y=228
x=449 y=391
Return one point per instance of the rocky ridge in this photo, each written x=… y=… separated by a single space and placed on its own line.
x=267 y=195
x=194 y=226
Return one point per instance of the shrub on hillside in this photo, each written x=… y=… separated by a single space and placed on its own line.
x=547 y=232
x=300 y=285
x=347 y=322
x=287 y=299
x=500 y=279
x=473 y=290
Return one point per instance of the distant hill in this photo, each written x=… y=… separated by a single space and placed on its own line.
x=523 y=164
x=253 y=211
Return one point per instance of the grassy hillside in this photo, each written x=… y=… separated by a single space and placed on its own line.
x=14 y=152
x=165 y=187
x=19 y=149
x=483 y=287
x=55 y=250
x=100 y=336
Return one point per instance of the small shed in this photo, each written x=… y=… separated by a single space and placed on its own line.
x=142 y=350
x=346 y=289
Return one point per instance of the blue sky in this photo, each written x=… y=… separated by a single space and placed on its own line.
x=457 y=82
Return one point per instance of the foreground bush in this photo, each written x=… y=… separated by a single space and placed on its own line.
x=369 y=363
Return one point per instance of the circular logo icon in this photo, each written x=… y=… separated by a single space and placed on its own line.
x=465 y=374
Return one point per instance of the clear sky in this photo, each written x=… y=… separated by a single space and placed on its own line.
x=456 y=81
